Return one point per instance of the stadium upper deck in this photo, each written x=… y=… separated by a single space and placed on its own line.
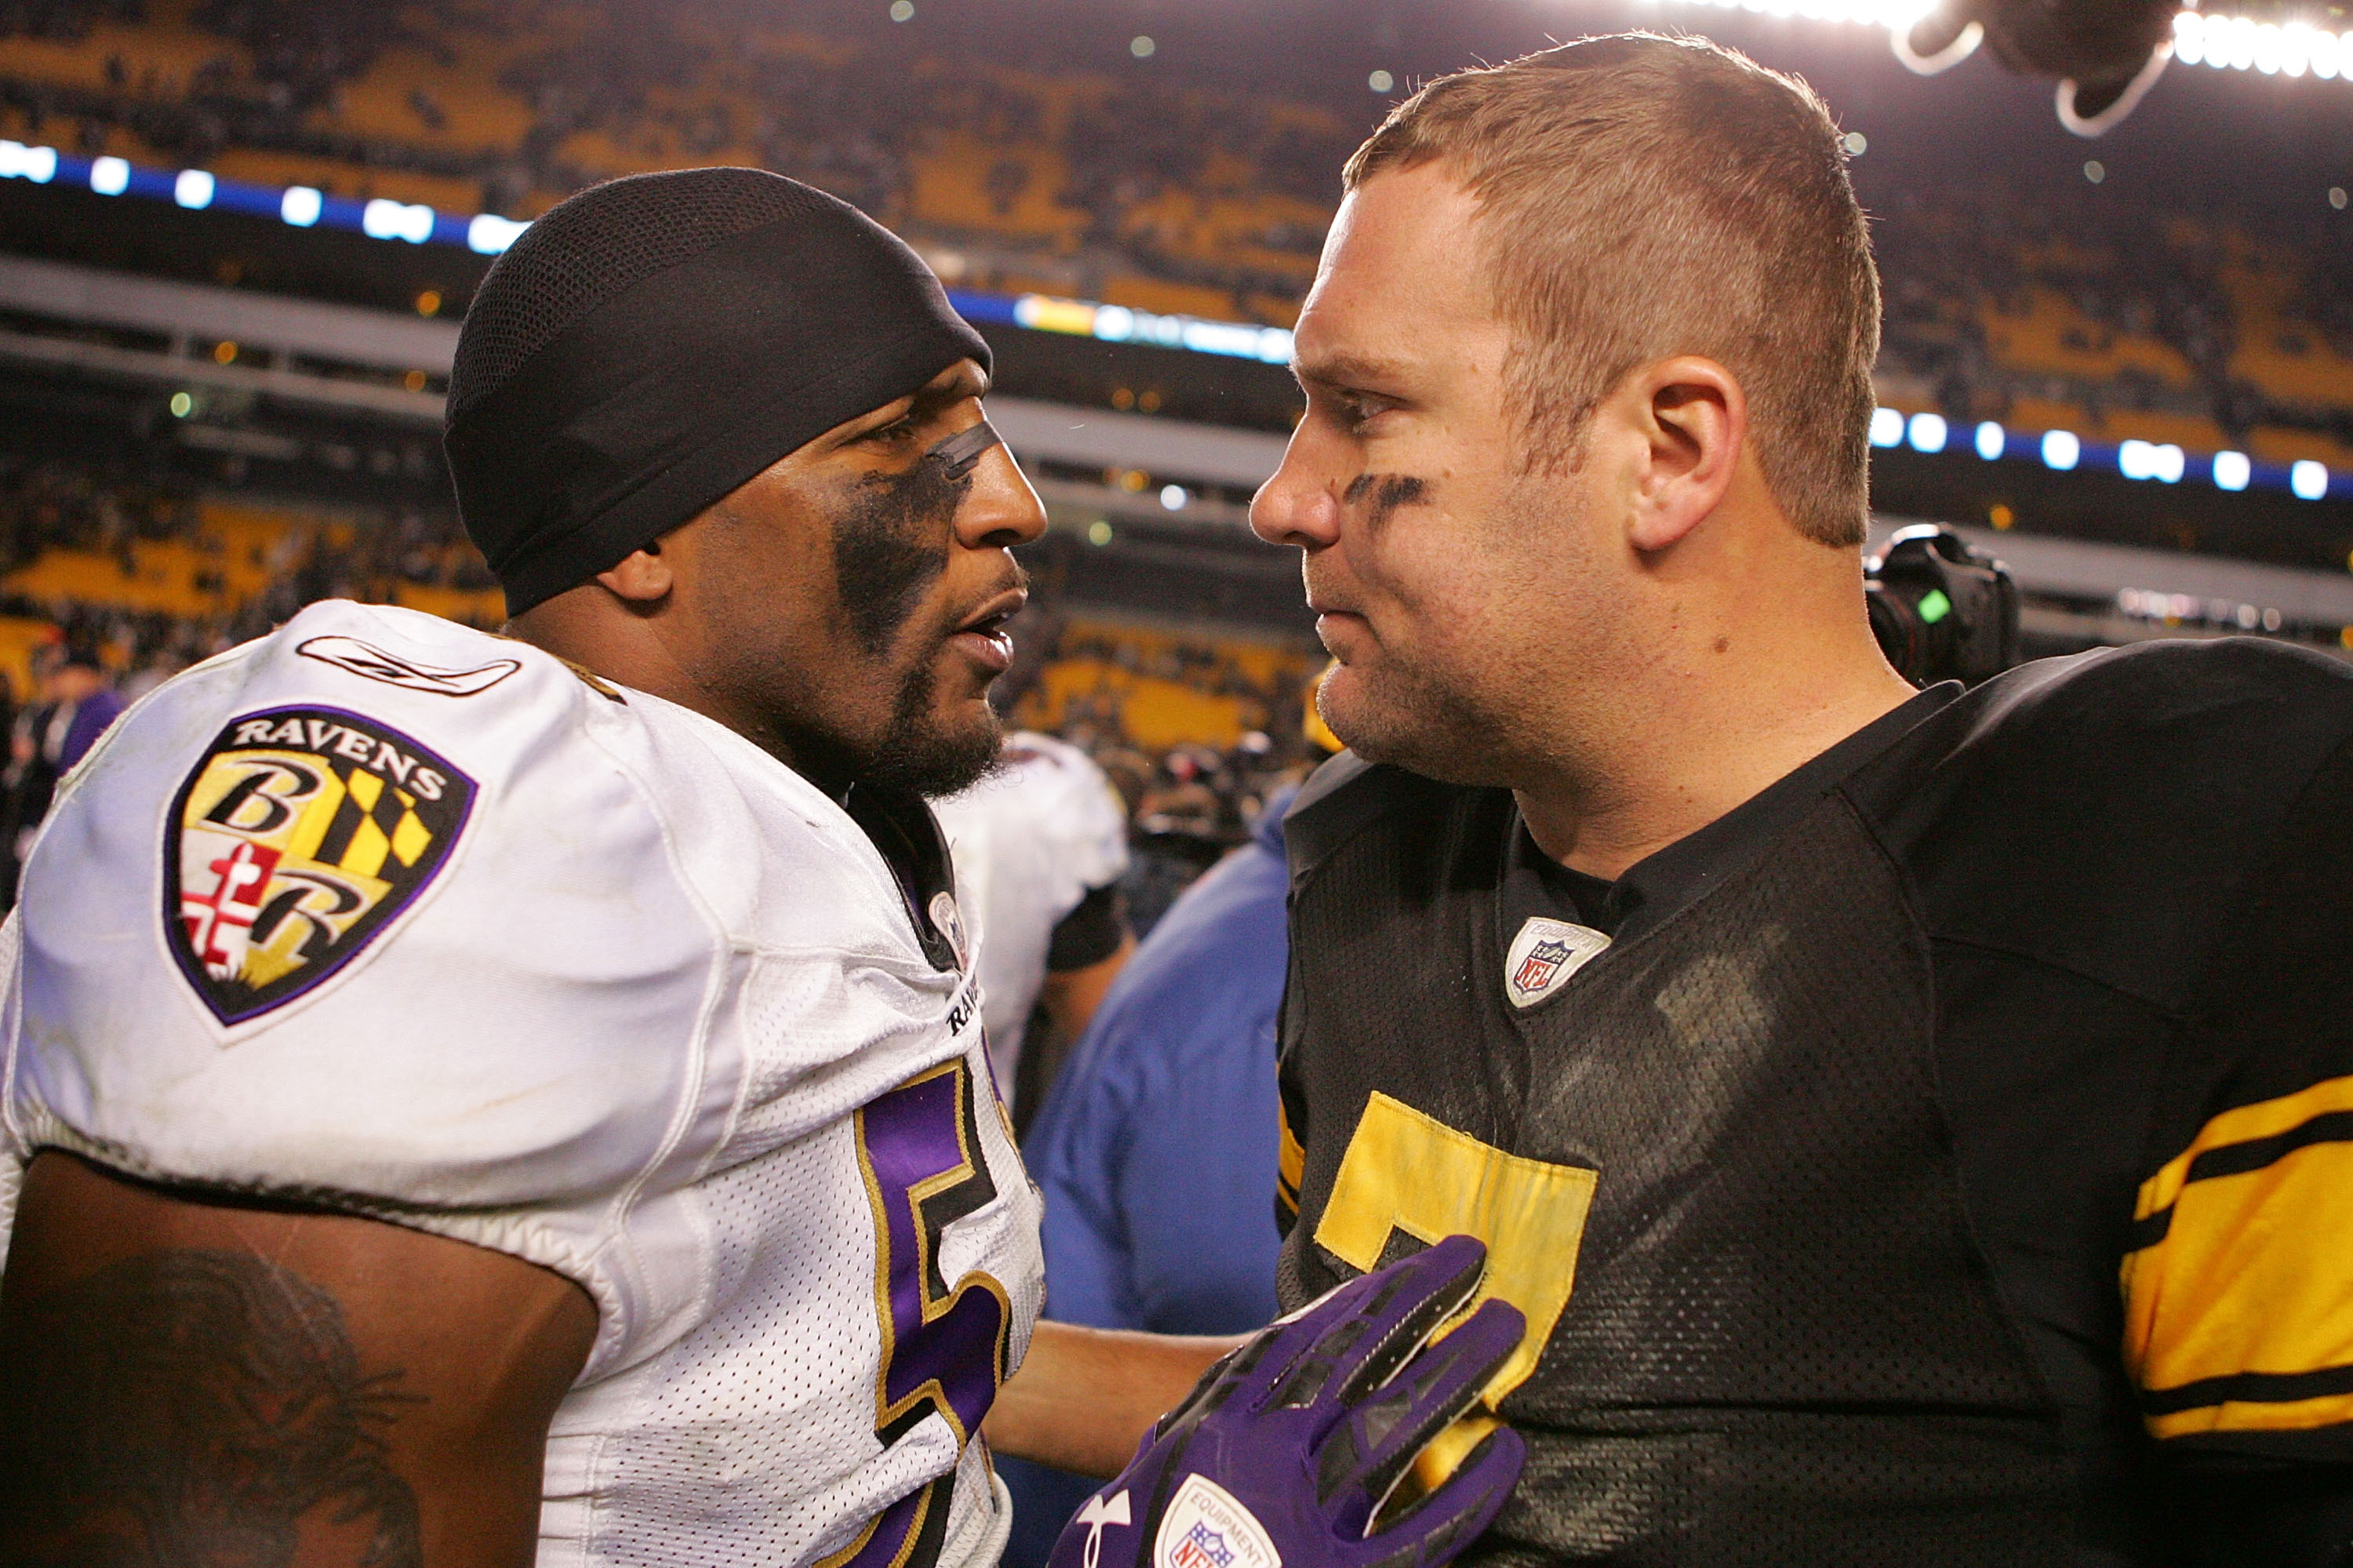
x=2127 y=321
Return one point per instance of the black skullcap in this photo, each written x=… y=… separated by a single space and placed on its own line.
x=651 y=344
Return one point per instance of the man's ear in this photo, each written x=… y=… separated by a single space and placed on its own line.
x=642 y=578
x=1693 y=420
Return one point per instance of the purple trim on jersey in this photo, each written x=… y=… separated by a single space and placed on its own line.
x=943 y=1347
x=889 y=1542
x=915 y=1135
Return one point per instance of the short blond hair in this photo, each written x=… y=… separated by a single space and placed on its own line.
x=1642 y=197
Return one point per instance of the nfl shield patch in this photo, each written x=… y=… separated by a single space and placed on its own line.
x=1207 y=1527
x=300 y=834
x=1544 y=954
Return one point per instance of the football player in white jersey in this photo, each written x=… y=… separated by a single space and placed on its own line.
x=473 y=1101
x=469 y=1102
x=1039 y=844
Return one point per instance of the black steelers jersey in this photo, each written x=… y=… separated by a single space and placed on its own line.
x=1947 y=1157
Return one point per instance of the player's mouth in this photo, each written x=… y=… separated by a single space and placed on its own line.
x=1335 y=620
x=982 y=636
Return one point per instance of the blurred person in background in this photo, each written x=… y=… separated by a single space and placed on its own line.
x=1041 y=845
x=1140 y=1232
x=30 y=778
x=87 y=705
x=73 y=704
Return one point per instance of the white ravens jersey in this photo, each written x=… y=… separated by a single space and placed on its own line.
x=1030 y=841
x=388 y=915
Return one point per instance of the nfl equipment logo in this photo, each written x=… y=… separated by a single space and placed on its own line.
x=1544 y=954
x=1207 y=1527
x=1535 y=970
x=1201 y=1547
x=949 y=924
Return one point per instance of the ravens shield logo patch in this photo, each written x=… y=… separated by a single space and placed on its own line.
x=300 y=835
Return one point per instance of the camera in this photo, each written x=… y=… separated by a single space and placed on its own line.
x=1941 y=610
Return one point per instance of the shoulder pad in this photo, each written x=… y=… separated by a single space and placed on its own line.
x=366 y=907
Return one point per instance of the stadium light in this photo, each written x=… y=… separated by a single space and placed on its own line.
x=18 y=162
x=489 y=233
x=385 y=219
x=2273 y=49
x=1119 y=323
x=2224 y=42
x=2149 y=460
x=1173 y=497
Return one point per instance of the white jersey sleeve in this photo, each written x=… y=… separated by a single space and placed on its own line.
x=298 y=930
x=393 y=916
x=1031 y=841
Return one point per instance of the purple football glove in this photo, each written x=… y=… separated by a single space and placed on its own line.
x=1286 y=1451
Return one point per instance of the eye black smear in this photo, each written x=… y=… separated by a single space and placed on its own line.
x=891 y=543
x=1389 y=492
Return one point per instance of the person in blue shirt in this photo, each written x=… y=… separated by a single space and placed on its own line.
x=1156 y=1147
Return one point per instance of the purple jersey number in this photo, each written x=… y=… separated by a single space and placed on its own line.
x=943 y=1347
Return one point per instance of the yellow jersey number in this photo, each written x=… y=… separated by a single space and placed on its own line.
x=1407 y=1171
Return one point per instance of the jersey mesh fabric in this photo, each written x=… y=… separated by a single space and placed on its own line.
x=776 y=1389
x=1782 y=1346
x=1031 y=841
x=568 y=263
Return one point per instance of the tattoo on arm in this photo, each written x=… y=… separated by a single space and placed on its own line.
x=187 y=1409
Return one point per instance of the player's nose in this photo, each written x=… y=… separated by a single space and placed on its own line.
x=1297 y=505
x=1001 y=510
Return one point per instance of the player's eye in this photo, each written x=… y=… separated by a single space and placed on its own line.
x=899 y=430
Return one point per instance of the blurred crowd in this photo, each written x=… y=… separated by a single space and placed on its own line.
x=1188 y=804
x=619 y=85
x=854 y=122
x=1954 y=263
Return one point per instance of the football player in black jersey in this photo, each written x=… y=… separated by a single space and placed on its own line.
x=1917 y=1126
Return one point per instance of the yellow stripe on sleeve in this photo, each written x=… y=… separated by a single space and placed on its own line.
x=1289 y=1161
x=2264 y=1118
x=2238 y=1310
x=2255 y=1415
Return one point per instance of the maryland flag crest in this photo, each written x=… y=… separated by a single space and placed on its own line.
x=300 y=834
